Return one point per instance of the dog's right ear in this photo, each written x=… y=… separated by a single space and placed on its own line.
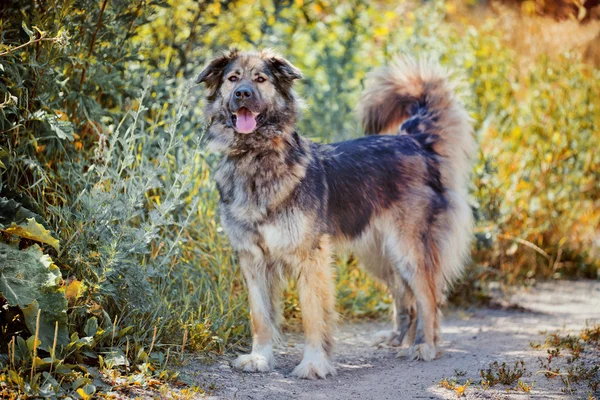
x=213 y=73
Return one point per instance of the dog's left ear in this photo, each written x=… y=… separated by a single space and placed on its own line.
x=212 y=75
x=283 y=70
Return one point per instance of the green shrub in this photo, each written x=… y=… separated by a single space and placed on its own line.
x=122 y=179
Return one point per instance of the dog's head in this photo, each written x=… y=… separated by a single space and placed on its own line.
x=251 y=92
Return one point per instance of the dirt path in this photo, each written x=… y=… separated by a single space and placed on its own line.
x=471 y=340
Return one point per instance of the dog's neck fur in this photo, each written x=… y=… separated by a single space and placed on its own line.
x=266 y=165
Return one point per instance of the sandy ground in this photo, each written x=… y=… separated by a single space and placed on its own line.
x=472 y=339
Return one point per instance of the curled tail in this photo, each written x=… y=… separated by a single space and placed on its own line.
x=416 y=98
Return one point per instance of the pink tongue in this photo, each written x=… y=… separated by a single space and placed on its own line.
x=245 y=121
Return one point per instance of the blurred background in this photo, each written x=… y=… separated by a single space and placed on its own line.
x=107 y=208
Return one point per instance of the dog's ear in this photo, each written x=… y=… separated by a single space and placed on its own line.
x=213 y=73
x=283 y=70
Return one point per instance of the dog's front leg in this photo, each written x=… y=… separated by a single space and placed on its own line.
x=254 y=268
x=317 y=301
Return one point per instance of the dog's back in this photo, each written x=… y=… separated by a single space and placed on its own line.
x=396 y=198
x=417 y=98
x=400 y=201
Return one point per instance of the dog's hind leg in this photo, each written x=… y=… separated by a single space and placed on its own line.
x=420 y=275
x=259 y=280
x=317 y=301
x=422 y=323
x=423 y=347
x=375 y=258
x=403 y=315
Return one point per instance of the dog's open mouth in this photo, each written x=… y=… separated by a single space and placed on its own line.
x=244 y=120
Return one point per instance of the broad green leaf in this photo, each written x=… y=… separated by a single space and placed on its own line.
x=91 y=327
x=30 y=344
x=18 y=220
x=12 y=211
x=80 y=382
x=29 y=280
x=63 y=129
x=116 y=358
x=124 y=331
x=34 y=231
x=15 y=377
x=22 y=350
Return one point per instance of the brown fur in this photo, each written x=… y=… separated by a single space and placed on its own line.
x=592 y=52
x=397 y=201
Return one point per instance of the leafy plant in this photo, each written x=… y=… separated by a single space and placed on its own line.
x=502 y=374
x=579 y=370
x=19 y=221
x=29 y=280
x=454 y=385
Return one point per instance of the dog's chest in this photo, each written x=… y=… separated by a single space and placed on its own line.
x=278 y=234
x=239 y=197
x=249 y=219
x=285 y=232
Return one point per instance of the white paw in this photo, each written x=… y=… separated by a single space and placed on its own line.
x=386 y=338
x=253 y=362
x=423 y=351
x=314 y=365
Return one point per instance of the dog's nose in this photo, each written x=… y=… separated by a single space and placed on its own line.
x=243 y=92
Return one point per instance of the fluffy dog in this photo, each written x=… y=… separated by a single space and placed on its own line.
x=395 y=198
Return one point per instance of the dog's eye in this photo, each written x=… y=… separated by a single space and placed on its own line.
x=260 y=79
x=233 y=78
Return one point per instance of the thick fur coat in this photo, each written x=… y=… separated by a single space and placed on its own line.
x=396 y=198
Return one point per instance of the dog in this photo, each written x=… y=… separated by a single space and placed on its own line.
x=396 y=198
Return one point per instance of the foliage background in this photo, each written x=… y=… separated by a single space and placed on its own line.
x=100 y=140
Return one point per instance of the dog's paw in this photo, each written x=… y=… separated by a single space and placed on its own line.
x=253 y=362
x=422 y=351
x=314 y=365
x=386 y=338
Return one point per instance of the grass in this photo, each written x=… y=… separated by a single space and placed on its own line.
x=454 y=385
x=502 y=374
x=574 y=359
x=496 y=374
x=121 y=365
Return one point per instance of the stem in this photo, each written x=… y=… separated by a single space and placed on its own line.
x=526 y=243
x=137 y=11
x=41 y=39
x=93 y=43
x=104 y=4
x=35 y=340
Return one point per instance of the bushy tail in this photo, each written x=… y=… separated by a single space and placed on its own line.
x=416 y=98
